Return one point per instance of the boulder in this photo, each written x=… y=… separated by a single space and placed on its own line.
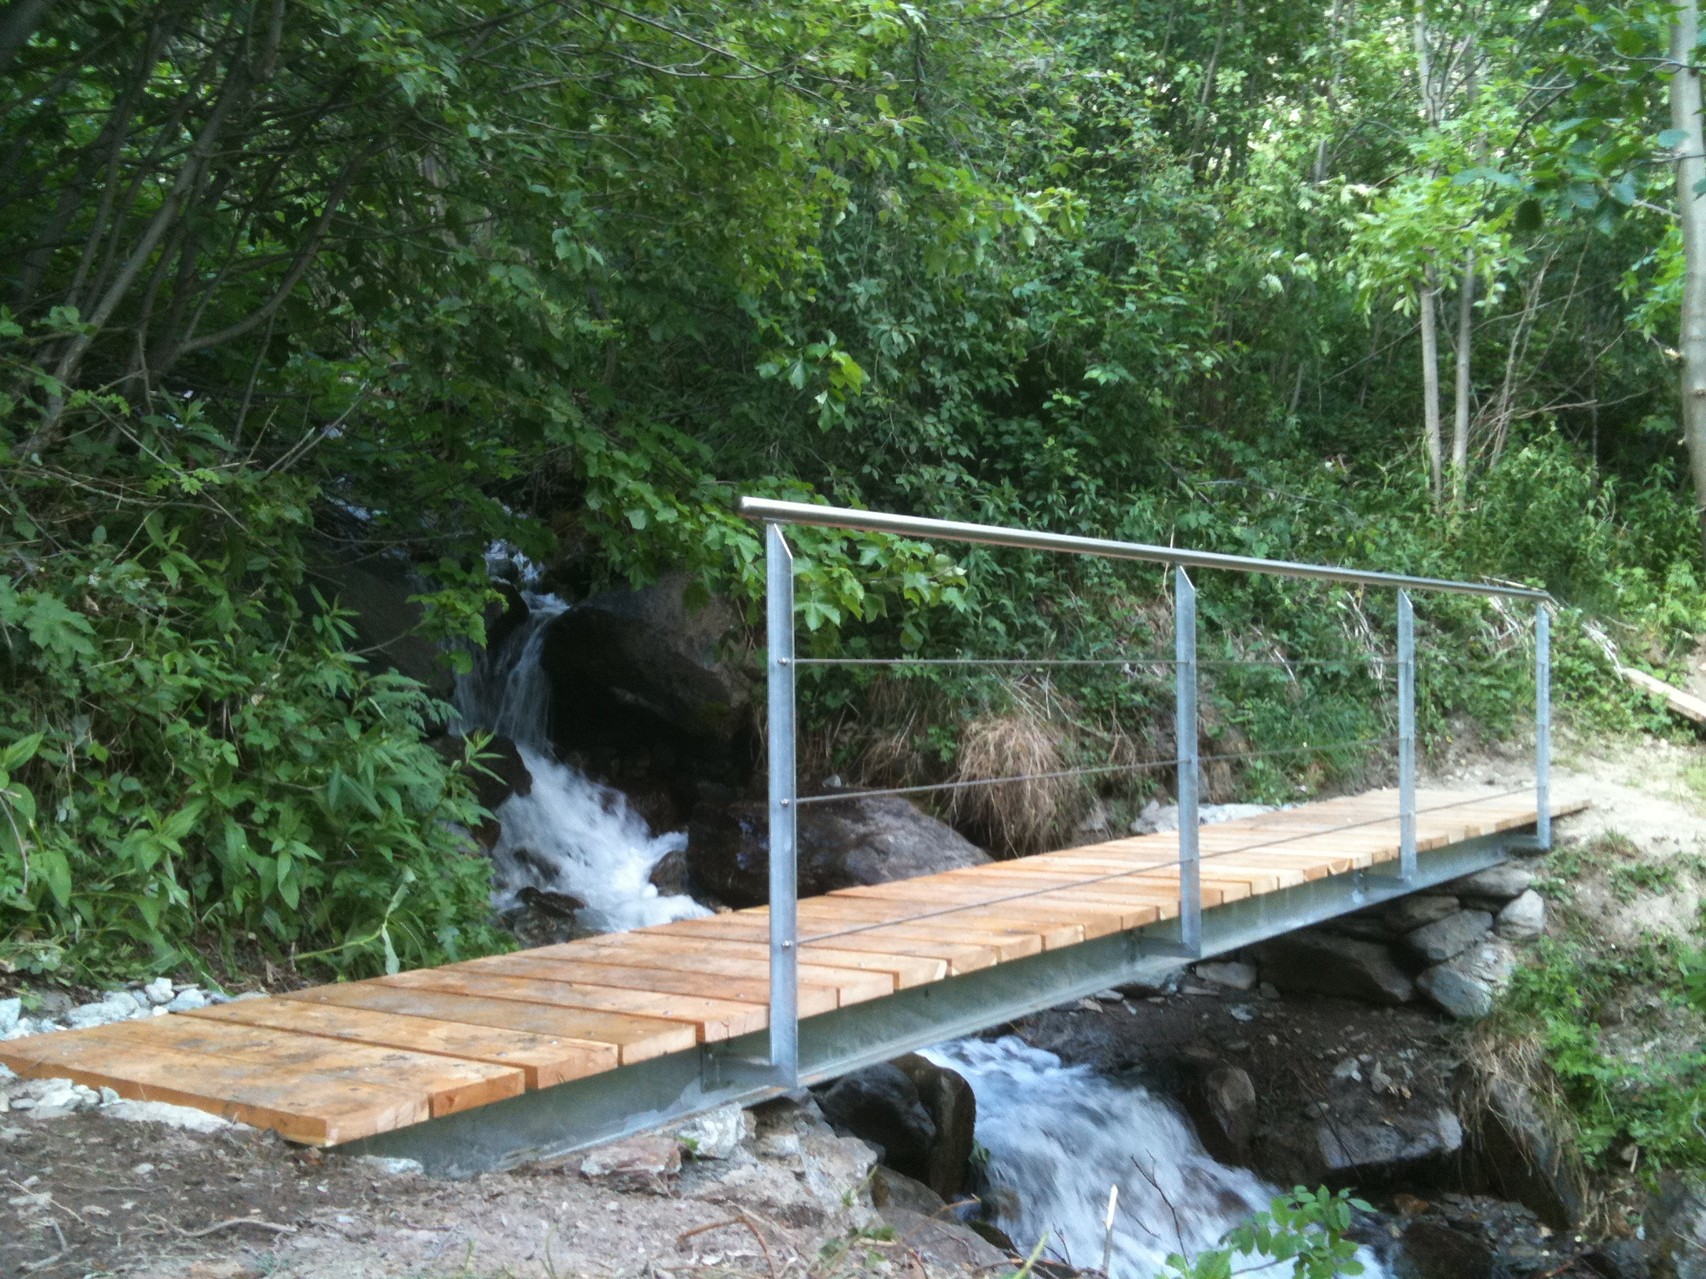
x=1504 y=881
x=1401 y=1145
x=1411 y=913
x=1467 y=985
x=880 y=1104
x=715 y=1134
x=1222 y=1105
x=1619 y=1259
x=923 y=1220
x=1675 y=1223
x=1524 y=1161
x=379 y=593
x=1523 y=917
x=643 y=670
x=840 y=845
x=946 y=1170
x=1320 y=963
x=1434 y=1250
x=1439 y=941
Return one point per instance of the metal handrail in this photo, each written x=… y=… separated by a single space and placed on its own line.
x=782 y=1067
x=763 y=508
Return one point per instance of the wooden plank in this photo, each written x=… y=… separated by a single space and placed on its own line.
x=543 y=1060
x=962 y=956
x=992 y=920
x=740 y=990
x=715 y=1019
x=847 y=984
x=448 y=1084
x=635 y=1038
x=825 y=965
x=1677 y=701
x=316 y=1110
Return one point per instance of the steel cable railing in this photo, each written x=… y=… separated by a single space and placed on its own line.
x=1184 y=665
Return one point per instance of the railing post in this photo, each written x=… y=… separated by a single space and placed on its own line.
x=1543 y=726
x=1185 y=732
x=1406 y=738
x=784 y=889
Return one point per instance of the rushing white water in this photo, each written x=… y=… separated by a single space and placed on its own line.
x=569 y=835
x=1058 y=1137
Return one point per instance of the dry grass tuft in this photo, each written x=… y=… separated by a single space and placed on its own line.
x=1017 y=817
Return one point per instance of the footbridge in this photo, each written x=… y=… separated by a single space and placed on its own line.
x=487 y=1063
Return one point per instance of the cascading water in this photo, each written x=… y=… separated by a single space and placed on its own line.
x=1058 y=1137
x=569 y=835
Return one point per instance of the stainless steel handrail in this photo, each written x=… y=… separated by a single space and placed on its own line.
x=761 y=508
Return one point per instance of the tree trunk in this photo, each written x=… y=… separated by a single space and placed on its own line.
x=1460 y=405
x=1430 y=380
x=1691 y=214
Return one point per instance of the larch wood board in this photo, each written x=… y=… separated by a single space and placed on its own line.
x=332 y=1064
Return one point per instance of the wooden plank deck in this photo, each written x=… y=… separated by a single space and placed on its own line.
x=336 y=1063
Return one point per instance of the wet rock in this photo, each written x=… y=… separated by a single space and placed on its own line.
x=648 y=1164
x=670 y=875
x=1416 y=911
x=1320 y=963
x=1434 y=1250
x=953 y=1110
x=842 y=845
x=1505 y=881
x=1523 y=917
x=644 y=670
x=1468 y=985
x=1445 y=938
x=501 y=773
x=1222 y=1105
x=1229 y=973
x=1525 y=1162
x=1619 y=1259
x=1675 y=1223
x=881 y=1105
x=386 y=620
x=1404 y=1144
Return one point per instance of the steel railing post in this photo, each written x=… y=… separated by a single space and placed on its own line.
x=1185 y=732
x=784 y=888
x=1543 y=726
x=1406 y=738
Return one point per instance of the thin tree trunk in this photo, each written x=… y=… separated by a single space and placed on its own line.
x=1691 y=214
x=1460 y=405
x=1430 y=380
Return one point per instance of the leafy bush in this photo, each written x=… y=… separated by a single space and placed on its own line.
x=191 y=756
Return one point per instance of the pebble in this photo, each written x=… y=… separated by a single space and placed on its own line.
x=1349 y=1068
x=186 y=1001
x=1241 y=1012
x=159 y=991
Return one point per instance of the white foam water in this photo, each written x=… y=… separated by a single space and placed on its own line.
x=570 y=834
x=1059 y=1137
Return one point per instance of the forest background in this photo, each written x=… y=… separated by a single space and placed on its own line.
x=290 y=284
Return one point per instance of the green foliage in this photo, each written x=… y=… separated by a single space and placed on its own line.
x=1306 y=1228
x=1654 y=1099
x=192 y=756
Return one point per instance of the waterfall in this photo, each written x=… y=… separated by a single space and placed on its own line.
x=570 y=835
x=1058 y=1137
